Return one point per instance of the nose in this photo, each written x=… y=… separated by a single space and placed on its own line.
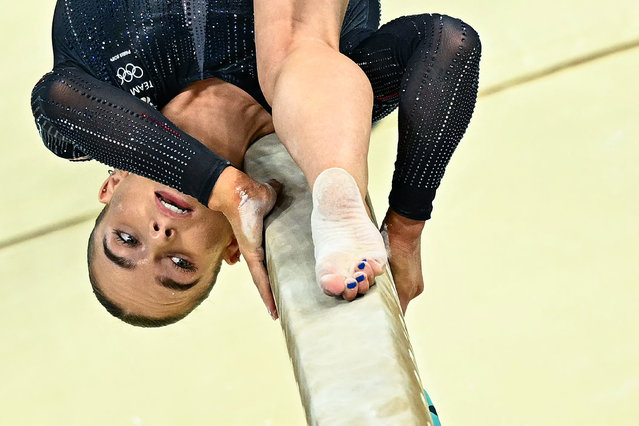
x=159 y=230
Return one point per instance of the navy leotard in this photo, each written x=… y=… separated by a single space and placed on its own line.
x=117 y=63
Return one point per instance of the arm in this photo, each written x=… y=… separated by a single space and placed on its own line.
x=80 y=117
x=428 y=65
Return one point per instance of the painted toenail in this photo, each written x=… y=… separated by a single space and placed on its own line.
x=361 y=265
x=351 y=285
x=360 y=278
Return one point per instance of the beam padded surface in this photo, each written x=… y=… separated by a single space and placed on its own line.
x=353 y=361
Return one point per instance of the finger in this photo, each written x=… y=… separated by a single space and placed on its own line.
x=260 y=278
x=276 y=185
x=404 y=304
x=272 y=190
x=253 y=252
x=255 y=262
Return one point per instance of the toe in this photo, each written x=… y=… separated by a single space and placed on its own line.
x=332 y=284
x=363 y=283
x=365 y=268
x=377 y=267
x=350 y=292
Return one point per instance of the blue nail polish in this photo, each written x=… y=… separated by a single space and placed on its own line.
x=351 y=285
x=360 y=278
x=363 y=260
x=361 y=265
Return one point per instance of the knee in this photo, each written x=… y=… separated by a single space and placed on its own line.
x=451 y=39
x=459 y=35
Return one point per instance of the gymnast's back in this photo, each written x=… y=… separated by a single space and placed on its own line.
x=155 y=48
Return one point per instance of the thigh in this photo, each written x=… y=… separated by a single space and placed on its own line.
x=279 y=24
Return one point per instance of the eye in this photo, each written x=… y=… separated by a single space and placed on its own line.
x=182 y=264
x=126 y=239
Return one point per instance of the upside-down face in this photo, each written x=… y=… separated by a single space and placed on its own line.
x=156 y=250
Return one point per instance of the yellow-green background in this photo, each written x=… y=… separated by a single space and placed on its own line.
x=530 y=314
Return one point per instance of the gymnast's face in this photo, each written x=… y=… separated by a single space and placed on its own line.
x=155 y=251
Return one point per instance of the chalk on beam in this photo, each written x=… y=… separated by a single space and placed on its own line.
x=352 y=360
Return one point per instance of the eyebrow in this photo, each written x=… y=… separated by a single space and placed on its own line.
x=125 y=263
x=122 y=262
x=174 y=285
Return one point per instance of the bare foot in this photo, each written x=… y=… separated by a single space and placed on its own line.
x=403 y=237
x=349 y=250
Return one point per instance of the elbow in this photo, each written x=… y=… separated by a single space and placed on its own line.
x=49 y=111
x=41 y=101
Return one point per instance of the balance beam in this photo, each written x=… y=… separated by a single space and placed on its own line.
x=352 y=360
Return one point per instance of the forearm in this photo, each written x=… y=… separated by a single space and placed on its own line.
x=77 y=116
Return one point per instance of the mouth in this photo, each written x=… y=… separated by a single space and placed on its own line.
x=172 y=206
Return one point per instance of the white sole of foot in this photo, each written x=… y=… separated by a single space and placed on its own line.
x=343 y=234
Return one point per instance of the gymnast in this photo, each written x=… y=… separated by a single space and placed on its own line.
x=171 y=95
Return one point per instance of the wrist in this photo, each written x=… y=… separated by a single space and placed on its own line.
x=225 y=190
x=403 y=226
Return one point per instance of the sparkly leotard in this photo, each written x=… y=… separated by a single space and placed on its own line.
x=117 y=63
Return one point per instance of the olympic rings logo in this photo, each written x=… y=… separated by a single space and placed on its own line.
x=129 y=72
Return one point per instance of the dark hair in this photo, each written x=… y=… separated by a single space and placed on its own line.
x=119 y=312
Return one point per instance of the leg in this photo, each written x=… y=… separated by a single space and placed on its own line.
x=429 y=66
x=322 y=104
x=321 y=100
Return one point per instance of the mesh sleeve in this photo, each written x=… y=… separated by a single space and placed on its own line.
x=80 y=117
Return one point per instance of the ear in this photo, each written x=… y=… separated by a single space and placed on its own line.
x=107 y=188
x=232 y=252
